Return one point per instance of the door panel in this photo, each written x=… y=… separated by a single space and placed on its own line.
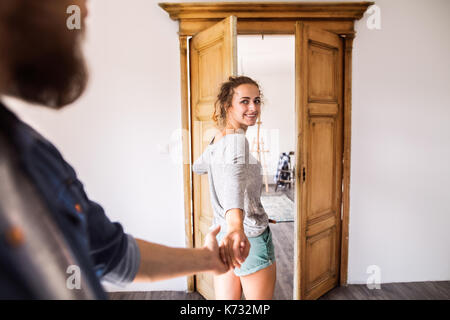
x=213 y=56
x=322 y=62
x=319 y=93
x=321 y=267
x=321 y=167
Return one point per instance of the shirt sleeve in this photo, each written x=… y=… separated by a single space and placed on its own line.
x=235 y=172
x=127 y=268
x=112 y=251
x=200 y=165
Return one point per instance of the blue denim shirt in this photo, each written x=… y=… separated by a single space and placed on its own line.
x=98 y=243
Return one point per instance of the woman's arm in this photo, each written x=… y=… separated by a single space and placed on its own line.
x=235 y=245
x=160 y=262
x=200 y=166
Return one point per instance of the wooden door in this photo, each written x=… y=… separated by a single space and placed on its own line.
x=319 y=109
x=213 y=58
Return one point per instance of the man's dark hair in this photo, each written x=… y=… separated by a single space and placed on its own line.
x=40 y=58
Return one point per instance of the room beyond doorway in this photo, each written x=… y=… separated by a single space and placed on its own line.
x=270 y=60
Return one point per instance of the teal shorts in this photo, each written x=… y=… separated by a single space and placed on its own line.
x=261 y=253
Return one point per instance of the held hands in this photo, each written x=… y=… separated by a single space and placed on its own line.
x=233 y=251
x=218 y=264
x=234 y=248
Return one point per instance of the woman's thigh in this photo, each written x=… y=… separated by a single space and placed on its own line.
x=227 y=286
x=261 y=284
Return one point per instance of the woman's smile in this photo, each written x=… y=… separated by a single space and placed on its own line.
x=251 y=116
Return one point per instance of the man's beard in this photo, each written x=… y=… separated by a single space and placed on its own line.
x=52 y=80
x=44 y=58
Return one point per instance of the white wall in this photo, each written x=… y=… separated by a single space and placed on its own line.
x=271 y=62
x=116 y=135
x=400 y=176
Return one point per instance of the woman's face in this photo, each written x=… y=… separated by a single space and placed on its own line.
x=245 y=107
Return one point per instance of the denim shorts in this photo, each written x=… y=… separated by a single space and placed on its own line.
x=261 y=253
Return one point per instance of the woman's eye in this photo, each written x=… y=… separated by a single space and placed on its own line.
x=257 y=101
x=244 y=101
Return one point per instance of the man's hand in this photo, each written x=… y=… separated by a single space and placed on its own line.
x=219 y=264
x=159 y=262
x=235 y=247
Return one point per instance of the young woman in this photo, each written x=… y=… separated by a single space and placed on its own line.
x=235 y=186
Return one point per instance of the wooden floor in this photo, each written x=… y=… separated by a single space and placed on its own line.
x=283 y=241
x=393 y=291
x=389 y=291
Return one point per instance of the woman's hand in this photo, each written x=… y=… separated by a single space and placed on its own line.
x=235 y=247
x=219 y=264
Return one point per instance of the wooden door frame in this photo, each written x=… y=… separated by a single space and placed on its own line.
x=269 y=18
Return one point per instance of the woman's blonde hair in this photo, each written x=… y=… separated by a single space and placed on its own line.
x=225 y=97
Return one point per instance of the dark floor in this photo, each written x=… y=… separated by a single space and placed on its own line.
x=436 y=290
x=389 y=291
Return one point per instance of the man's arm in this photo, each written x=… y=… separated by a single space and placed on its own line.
x=159 y=262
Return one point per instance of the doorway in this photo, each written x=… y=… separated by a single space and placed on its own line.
x=324 y=34
x=318 y=139
x=270 y=60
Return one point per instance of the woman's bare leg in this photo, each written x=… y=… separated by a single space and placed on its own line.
x=227 y=286
x=261 y=284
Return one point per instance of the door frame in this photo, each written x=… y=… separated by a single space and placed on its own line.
x=256 y=18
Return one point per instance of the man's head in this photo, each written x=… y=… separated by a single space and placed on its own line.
x=40 y=58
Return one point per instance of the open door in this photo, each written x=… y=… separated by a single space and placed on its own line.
x=319 y=109
x=213 y=58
